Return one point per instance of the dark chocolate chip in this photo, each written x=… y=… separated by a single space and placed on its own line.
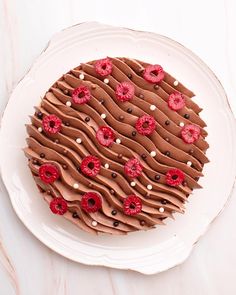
x=113 y=212
x=191 y=152
x=164 y=202
x=75 y=215
x=112 y=192
x=142 y=222
x=167 y=122
x=87 y=119
x=90 y=185
x=78 y=169
x=64 y=166
x=184 y=183
x=65 y=152
x=141 y=71
x=120 y=156
x=121 y=118
x=113 y=175
x=129 y=76
x=93 y=87
x=40 y=115
x=144 y=156
x=48 y=192
x=167 y=139
x=186 y=116
x=116 y=223
x=167 y=153
x=147 y=195
x=42 y=155
x=141 y=96
x=102 y=101
x=67 y=124
x=66 y=91
x=35 y=162
x=157 y=177
x=196 y=178
x=134 y=133
x=156 y=86
x=56 y=140
x=129 y=110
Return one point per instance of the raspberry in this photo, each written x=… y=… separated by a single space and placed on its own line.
x=132 y=205
x=58 y=206
x=90 y=166
x=48 y=173
x=103 y=67
x=133 y=168
x=190 y=133
x=153 y=74
x=81 y=95
x=91 y=202
x=145 y=125
x=174 y=177
x=105 y=136
x=52 y=124
x=124 y=91
x=176 y=101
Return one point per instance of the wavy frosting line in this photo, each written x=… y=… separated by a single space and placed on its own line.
x=63 y=151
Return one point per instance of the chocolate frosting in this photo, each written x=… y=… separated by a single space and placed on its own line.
x=66 y=154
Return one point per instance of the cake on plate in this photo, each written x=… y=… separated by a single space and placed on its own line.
x=117 y=145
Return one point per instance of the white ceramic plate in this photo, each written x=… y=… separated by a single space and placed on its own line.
x=147 y=252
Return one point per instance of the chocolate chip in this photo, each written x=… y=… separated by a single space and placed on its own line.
x=156 y=86
x=56 y=140
x=87 y=119
x=196 y=178
x=184 y=183
x=65 y=91
x=112 y=192
x=35 y=162
x=78 y=169
x=42 y=155
x=157 y=177
x=67 y=124
x=167 y=139
x=64 y=166
x=93 y=87
x=101 y=101
x=113 y=175
x=191 y=152
x=129 y=76
x=141 y=96
x=141 y=71
x=40 y=115
x=65 y=152
x=75 y=215
x=120 y=156
x=121 y=118
x=90 y=185
x=167 y=153
x=113 y=212
x=48 y=192
x=142 y=222
x=147 y=195
x=134 y=133
x=167 y=122
x=116 y=223
x=186 y=116
x=164 y=202
x=129 y=110
x=144 y=156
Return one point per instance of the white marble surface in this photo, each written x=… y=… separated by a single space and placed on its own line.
x=208 y=28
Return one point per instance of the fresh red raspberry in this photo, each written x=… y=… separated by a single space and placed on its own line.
x=52 y=124
x=91 y=202
x=103 y=67
x=90 y=166
x=153 y=73
x=176 y=101
x=124 y=91
x=81 y=95
x=190 y=133
x=48 y=173
x=133 y=168
x=105 y=136
x=145 y=125
x=132 y=205
x=58 y=206
x=174 y=177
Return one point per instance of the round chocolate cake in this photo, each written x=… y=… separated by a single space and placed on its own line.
x=117 y=145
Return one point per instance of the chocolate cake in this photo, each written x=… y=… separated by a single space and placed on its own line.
x=117 y=145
